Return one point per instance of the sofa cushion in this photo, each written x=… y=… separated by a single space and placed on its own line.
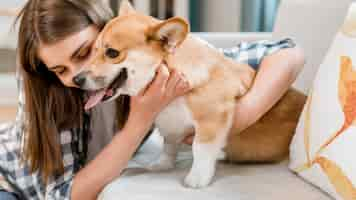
x=322 y=150
x=232 y=182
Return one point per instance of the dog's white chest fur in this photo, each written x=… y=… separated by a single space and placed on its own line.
x=174 y=120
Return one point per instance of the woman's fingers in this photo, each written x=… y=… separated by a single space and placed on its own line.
x=177 y=84
x=159 y=83
x=142 y=92
x=156 y=84
x=182 y=87
x=163 y=89
x=173 y=82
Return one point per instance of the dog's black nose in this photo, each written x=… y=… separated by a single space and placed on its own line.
x=80 y=79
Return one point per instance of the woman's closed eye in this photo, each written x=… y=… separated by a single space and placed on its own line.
x=60 y=70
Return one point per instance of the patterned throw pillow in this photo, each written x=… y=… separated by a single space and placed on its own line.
x=324 y=146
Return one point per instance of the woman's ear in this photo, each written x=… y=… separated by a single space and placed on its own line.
x=171 y=33
x=126 y=8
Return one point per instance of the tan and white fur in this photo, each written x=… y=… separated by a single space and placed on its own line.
x=144 y=43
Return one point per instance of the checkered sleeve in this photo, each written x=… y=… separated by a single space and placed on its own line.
x=9 y=140
x=4 y=185
x=8 y=158
x=60 y=189
x=252 y=53
x=15 y=176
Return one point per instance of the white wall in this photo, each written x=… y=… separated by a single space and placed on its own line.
x=220 y=15
x=143 y=6
x=181 y=8
x=7 y=38
x=8 y=87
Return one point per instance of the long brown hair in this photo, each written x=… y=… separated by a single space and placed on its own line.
x=50 y=106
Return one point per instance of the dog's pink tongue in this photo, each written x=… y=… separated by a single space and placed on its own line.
x=94 y=99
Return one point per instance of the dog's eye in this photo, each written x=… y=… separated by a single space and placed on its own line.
x=112 y=53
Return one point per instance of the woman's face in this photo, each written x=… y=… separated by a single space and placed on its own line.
x=68 y=57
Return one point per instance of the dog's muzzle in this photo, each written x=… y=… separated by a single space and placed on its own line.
x=106 y=93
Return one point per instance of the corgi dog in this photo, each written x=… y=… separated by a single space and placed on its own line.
x=129 y=51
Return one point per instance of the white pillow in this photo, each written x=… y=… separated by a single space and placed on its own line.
x=324 y=146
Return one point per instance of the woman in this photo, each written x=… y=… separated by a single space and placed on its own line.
x=51 y=151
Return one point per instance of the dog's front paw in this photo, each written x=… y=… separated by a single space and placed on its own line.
x=197 y=180
x=161 y=165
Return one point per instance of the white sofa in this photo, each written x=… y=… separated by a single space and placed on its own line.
x=235 y=182
x=311 y=25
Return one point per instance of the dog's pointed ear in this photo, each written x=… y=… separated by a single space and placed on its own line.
x=171 y=33
x=126 y=8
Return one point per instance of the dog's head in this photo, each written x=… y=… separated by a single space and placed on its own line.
x=128 y=52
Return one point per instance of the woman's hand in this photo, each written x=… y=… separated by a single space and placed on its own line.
x=165 y=88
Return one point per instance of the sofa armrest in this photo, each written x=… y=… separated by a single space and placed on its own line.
x=226 y=40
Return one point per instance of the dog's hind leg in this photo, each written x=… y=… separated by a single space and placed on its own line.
x=211 y=135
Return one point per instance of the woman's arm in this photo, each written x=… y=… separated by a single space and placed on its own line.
x=144 y=108
x=276 y=74
x=110 y=162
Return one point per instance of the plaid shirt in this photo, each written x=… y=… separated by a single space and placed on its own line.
x=15 y=176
